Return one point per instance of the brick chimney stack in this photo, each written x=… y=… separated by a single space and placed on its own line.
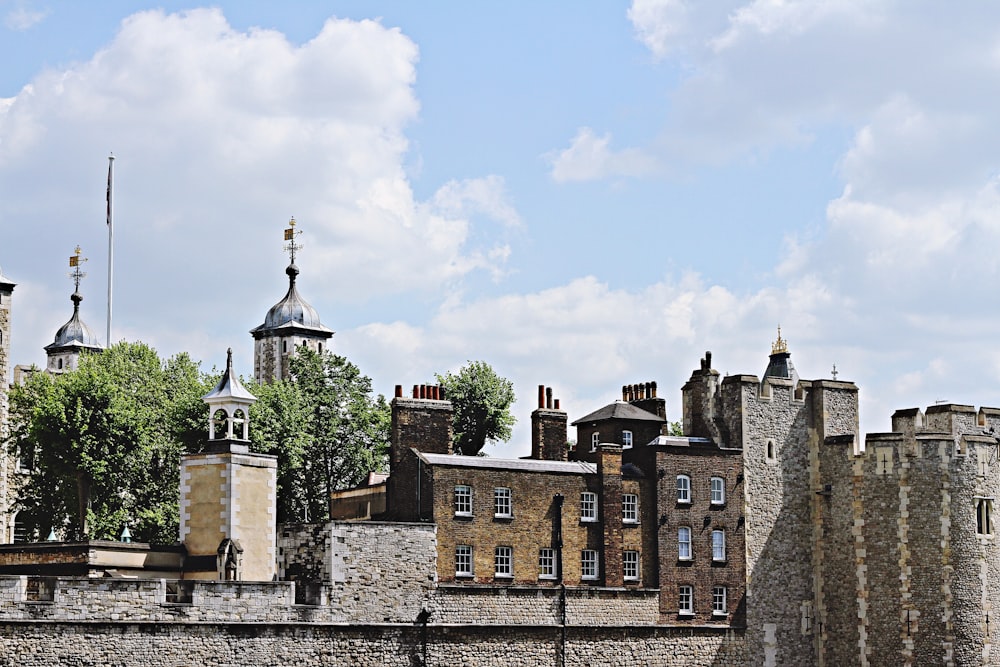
x=548 y=428
x=609 y=471
x=643 y=396
x=423 y=423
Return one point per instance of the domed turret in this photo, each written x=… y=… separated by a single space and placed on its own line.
x=75 y=337
x=289 y=323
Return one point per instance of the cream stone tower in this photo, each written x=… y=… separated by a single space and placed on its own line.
x=289 y=323
x=228 y=495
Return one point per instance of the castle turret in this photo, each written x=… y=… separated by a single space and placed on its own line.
x=289 y=323
x=6 y=291
x=73 y=338
x=779 y=364
x=229 y=528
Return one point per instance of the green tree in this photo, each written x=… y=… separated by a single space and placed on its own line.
x=326 y=427
x=105 y=441
x=481 y=400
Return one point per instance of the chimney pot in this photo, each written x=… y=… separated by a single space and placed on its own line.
x=624 y=392
x=416 y=392
x=548 y=398
x=541 y=396
x=557 y=404
x=399 y=391
x=653 y=383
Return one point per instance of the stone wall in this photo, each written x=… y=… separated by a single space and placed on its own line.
x=155 y=645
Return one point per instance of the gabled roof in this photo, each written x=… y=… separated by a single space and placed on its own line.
x=619 y=410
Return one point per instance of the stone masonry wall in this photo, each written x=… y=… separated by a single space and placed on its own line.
x=153 y=645
x=778 y=511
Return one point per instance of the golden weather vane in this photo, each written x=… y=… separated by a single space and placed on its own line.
x=290 y=235
x=76 y=274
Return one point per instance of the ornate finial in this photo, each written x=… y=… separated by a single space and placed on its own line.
x=834 y=372
x=76 y=274
x=779 y=346
x=290 y=235
x=229 y=359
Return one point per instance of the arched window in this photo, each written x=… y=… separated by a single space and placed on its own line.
x=684 y=543
x=59 y=364
x=219 y=419
x=683 y=489
x=320 y=346
x=718 y=545
x=718 y=491
x=770 y=451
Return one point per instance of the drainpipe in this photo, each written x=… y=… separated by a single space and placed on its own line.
x=557 y=502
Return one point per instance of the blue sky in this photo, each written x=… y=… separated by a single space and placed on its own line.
x=584 y=194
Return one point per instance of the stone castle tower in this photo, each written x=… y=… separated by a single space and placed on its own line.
x=6 y=465
x=289 y=323
x=75 y=337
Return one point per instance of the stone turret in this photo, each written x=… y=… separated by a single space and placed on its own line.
x=228 y=495
x=289 y=323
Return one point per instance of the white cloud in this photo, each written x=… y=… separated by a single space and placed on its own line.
x=22 y=18
x=220 y=136
x=590 y=157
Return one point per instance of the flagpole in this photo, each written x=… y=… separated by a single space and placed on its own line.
x=111 y=239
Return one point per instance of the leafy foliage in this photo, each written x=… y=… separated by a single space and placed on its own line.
x=326 y=428
x=481 y=400
x=105 y=443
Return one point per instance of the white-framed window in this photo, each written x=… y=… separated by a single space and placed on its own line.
x=718 y=491
x=546 y=563
x=595 y=440
x=630 y=565
x=588 y=506
x=984 y=516
x=630 y=508
x=626 y=439
x=463 y=560
x=501 y=503
x=503 y=562
x=718 y=545
x=588 y=564
x=463 y=500
x=719 y=601
x=685 y=600
x=683 y=489
x=684 y=543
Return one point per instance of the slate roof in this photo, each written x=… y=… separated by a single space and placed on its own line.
x=619 y=410
x=526 y=465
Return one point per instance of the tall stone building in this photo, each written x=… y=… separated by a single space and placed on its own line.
x=289 y=323
x=6 y=463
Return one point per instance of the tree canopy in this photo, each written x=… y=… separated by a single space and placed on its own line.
x=481 y=400
x=104 y=442
x=326 y=427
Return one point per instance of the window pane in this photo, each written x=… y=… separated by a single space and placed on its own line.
x=684 y=543
x=463 y=560
x=683 y=489
x=718 y=545
x=463 y=500
x=630 y=508
x=502 y=504
x=718 y=491
x=502 y=562
x=546 y=564
x=588 y=564
x=588 y=506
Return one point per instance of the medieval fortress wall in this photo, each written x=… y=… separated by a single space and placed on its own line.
x=377 y=580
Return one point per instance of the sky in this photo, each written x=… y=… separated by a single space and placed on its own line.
x=584 y=195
